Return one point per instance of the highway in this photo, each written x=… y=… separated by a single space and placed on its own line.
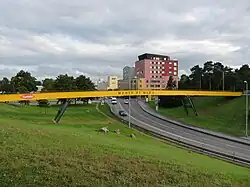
x=182 y=134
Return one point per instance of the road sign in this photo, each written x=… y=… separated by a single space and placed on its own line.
x=27 y=96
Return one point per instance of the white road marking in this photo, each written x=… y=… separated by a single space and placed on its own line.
x=181 y=138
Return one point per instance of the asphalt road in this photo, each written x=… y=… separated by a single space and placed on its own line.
x=145 y=120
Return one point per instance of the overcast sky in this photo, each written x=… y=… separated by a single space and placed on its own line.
x=97 y=38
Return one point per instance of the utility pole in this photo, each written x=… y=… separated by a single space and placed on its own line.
x=246 y=108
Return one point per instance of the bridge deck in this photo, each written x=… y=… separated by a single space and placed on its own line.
x=67 y=95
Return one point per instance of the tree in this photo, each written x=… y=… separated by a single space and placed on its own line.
x=218 y=70
x=212 y=77
x=64 y=83
x=23 y=82
x=184 y=82
x=6 y=86
x=38 y=83
x=171 y=84
x=208 y=74
x=84 y=84
x=196 y=77
x=170 y=101
x=48 y=85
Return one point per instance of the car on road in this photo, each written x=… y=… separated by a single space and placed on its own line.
x=113 y=101
x=126 y=101
x=122 y=113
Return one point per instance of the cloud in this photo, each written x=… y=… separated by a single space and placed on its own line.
x=97 y=38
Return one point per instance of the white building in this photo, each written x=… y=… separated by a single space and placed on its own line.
x=101 y=85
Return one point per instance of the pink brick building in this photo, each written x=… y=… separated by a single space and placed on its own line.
x=156 y=70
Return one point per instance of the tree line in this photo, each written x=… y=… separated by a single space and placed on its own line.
x=211 y=76
x=215 y=76
x=24 y=82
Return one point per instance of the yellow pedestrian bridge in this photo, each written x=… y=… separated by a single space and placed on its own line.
x=118 y=93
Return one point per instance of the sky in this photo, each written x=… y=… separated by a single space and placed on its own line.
x=98 y=38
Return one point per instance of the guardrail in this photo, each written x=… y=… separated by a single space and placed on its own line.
x=235 y=139
x=195 y=145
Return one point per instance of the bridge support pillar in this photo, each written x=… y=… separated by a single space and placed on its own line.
x=188 y=103
x=61 y=110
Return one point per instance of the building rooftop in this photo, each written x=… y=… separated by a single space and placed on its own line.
x=151 y=55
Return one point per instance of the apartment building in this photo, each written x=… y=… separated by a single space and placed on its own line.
x=156 y=69
x=134 y=84
x=101 y=85
x=112 y=82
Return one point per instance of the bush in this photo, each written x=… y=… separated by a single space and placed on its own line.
x=25 y=102
x=170 y=101
x=43 y=103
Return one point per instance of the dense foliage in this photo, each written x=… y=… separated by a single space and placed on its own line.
x=210 y=77
x=24 y=82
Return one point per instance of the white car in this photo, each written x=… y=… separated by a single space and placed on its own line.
x=113 y=101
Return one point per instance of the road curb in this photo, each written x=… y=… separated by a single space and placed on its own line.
x=242 y=141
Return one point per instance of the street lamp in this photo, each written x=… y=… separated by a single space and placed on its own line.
x=246 y=108
x=129 y=103
x=223 y=80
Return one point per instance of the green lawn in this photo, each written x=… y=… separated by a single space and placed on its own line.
x=35 y=152
x=214 y=113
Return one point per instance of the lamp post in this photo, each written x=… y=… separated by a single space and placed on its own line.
x=129 y=102
x=246 y=108
x=223 y=80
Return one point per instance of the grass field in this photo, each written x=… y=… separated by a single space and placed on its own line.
x=214 y=113
x=35 y=152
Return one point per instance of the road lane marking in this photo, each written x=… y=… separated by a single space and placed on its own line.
x=184 y=138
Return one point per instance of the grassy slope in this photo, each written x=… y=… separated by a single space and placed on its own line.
x=36 y=152
x=214 y=113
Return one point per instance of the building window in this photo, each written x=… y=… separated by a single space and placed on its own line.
x=170 y=72
x=170 y=63
x=175 y=73
x=175 y=68
x=163 y=71
x=175 y=64
x=170 y=67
